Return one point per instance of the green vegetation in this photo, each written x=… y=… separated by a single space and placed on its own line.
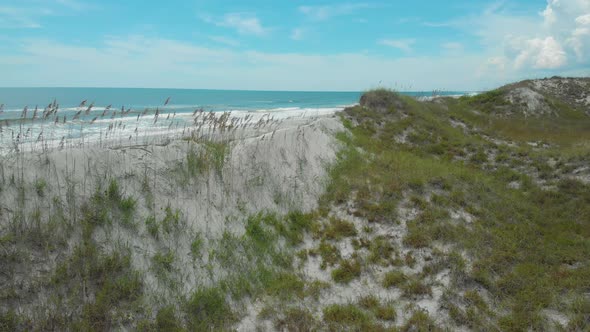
x=449 y=197
x=196 y=246
x=347 y=271
x=40 y=186
x=209 y=309
x=329 y=253
x=166 y=320
x=522 y=242
x=206 y=156
x=386 y=312
x=346 y=316
x=152 y=226
x=296 y=319
x=162 y=262
x=338 y=229
x=420 y=321
x=394 y=279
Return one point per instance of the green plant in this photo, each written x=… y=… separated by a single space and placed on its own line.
x=386 y=312
x=415 y=287
x=166 y=319
x=420 y=321
x=286 y=285
x=152 y=226
x=207 y=309
x=295 y=319
x=196 y=246
x=394 y=279
x=163 y=262
x=8 y=321
x=40 y=186
x=381 y=250
x=171 y=220
x=347 y=271
x=337 y=229
x=329 y=253
x=348 y=317
x=113 y=191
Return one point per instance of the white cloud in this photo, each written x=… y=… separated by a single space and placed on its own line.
x=321 y=13
x=225 y=40
x=497 y=63
x=556 y=38
x=122 y=62
x=26 y=15
x=243 y=23
x=297 y=33
x=540 y=53
x=454 y=47
x=402 y=44
x=549 y=15
x=20 y=18
x=579 y=40
x=583 y=20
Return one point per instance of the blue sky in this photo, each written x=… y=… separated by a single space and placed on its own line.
x=291 y=45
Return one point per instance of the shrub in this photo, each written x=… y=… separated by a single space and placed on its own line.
x=382 y=100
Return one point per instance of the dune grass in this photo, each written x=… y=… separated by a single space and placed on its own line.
x=523 y=242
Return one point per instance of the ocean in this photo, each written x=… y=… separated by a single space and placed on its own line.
x=181 y=100
x=58 y=114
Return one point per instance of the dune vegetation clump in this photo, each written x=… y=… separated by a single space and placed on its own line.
x=382 y=100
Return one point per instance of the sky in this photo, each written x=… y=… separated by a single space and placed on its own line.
x=453 y=45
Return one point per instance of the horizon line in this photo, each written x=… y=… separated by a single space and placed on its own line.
x=236 y=90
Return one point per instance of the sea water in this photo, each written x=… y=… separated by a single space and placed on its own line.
x=93 y=112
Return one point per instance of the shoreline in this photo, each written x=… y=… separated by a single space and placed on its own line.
x=48 y=135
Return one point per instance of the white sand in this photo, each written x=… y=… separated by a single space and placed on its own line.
x=277 y=166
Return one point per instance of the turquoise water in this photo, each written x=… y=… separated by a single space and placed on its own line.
x=15 y=99
x=181 y=100
x=70 y=116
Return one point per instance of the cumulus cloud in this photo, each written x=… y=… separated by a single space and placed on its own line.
x=579 y=40
x=540 y=53
x=243 y=23
x=559 y=38
x=568 y=21
x=401 y=44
